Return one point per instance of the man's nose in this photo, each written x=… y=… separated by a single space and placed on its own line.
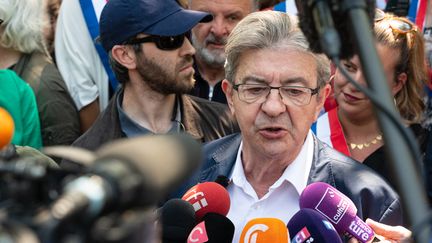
x=219 y=27
x=187 y=48
x=273 y=106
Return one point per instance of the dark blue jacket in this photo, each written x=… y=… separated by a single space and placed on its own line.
x=373 y=197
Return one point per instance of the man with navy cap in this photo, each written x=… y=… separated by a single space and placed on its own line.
x=152 y=58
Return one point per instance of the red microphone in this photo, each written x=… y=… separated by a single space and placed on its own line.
x=214 y=228
x=208 y=197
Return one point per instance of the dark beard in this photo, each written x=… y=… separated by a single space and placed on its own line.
x=159 y=80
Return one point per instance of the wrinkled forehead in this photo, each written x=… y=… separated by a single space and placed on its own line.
x=245 y=6
x=279 y=66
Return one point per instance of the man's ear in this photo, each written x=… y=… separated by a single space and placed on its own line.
x=322 y=97
x=228 y=90
x=124 y=55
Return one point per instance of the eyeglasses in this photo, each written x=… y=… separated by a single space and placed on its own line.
x=397 y=24
x=166 y=43
x=258 y=93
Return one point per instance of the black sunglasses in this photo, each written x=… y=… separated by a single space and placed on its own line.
x=166 y=43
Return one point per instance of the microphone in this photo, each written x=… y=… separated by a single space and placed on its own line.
x=214 y=228
x=133 y=172
x=208 y=197
x=222 y=180
x=308 y=225
x=337 y=208
x=263 y=230
x=326 y=27
x=178 y=219
x=7 y=128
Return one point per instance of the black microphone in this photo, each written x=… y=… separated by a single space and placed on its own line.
x=214 y=228
x=223 y=181
x=177 y=219
x=133 y=172
x=322 y=20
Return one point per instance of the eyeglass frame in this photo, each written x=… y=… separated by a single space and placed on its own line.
x=312 y=93
x=382 y=14
x=157 y=40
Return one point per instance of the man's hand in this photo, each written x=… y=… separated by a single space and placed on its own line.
x=387 y=233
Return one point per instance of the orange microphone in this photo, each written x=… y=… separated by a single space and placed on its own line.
x=7 y=128
x=263 y=230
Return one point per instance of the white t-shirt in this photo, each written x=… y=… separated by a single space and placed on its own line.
x=282 y=200
x=77 y=58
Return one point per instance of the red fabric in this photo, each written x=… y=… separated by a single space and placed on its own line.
x=421 y=14
x=337 y=136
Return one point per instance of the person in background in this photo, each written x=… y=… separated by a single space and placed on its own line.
x=352 y=127
x=18 y=99
x=23 y=50
x=152 y=58
x=275 y=88
x=209 y=40
x=82 y=62
x=268 y=4
x=53 y=7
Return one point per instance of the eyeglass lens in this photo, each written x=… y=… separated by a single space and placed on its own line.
x=400 y=25
x=170 y=42
x=162 y=42
x=289 y=94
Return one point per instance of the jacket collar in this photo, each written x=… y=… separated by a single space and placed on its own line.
x=223 y=158
x=225 y=155
x=321 y=169
x=190 y=119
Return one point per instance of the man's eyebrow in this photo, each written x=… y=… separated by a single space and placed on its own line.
x=253 y=79
x=296 y=80
x=260 y=80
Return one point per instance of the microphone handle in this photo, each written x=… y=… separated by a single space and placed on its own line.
x=360 y=230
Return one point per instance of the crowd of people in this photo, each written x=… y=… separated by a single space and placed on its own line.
x=273 y=116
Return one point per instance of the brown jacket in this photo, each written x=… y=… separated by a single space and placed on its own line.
x=58 y=114
x=202 y=119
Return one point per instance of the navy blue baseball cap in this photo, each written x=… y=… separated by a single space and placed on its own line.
x=123 y=19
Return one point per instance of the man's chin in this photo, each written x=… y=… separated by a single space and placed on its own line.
x=186 y=86
x=212 y=53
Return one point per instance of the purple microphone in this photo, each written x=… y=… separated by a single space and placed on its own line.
x=337 y=208
x=307 y=225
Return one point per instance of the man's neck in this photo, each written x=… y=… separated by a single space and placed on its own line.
x=209 y=73
x=262 y=171
x=8 y=58
x=148 y=108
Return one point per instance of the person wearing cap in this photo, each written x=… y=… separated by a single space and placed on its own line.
x=209 y=40
x=152 y=58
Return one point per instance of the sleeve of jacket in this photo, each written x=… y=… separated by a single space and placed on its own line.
x=393 y=214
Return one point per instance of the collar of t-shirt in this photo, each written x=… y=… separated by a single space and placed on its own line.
x=132 y=129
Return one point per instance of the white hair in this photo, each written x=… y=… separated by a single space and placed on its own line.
x=22 y=29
